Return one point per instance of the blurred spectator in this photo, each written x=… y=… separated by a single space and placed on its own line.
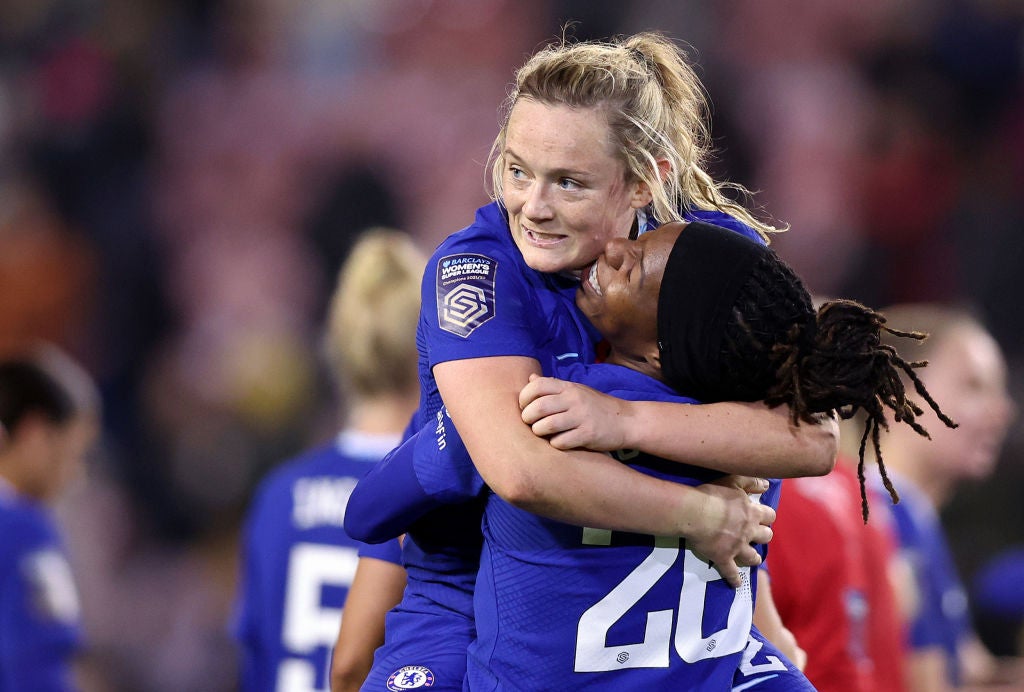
x=47 y=274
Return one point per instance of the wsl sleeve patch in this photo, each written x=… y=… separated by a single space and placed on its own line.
x=51 y=586
x=465 y=292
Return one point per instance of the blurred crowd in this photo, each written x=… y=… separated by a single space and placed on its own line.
x=180 y=180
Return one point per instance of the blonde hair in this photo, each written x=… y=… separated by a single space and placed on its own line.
x=370 y=341
x=656 y=109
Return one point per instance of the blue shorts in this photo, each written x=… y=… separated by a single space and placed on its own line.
x=765 y=669
x=421 y=650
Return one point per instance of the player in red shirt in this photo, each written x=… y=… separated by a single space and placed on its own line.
x=832 y=578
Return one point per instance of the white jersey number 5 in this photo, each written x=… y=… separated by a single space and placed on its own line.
x=307 y=623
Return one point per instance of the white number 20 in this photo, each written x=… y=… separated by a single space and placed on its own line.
x=594 y=655
x=307 y=624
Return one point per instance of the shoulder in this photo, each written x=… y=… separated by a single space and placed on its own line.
x=25 y=522
x=28 y=531
x=276 y=486
x=622 y=382
x=308 y=462
x=720 y=218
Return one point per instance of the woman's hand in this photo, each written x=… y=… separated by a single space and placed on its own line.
x=572 y=415
x=728 y=522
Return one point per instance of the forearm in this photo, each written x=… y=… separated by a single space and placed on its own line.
x=578 y=487
x=376 y=589
x=589 y=488
x=733 y=437
x=593 y=489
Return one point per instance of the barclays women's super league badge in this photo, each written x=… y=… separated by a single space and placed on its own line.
x=465 y=292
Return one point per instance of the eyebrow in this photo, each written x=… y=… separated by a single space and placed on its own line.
x=558 y=172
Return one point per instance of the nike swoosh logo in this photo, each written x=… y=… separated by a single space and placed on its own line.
x=753 y=683
x=567 y=355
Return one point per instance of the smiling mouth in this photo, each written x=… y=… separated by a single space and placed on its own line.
x=540 y=238
x=592 y=279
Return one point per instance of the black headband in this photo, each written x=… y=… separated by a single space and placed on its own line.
x=706 y=270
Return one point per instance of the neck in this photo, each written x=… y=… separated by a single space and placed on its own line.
x=12 y=476
x=904 y=456
x=382 y=415
x=640 y=364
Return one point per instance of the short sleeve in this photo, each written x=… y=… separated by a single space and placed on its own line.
x=478 y=302
x=389 y=551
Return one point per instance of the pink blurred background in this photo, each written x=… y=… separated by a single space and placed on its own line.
x=179 y=181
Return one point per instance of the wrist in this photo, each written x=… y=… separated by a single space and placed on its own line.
x=629 y=424
x=691 y=508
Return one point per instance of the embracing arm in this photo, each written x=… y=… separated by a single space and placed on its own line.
x=587 y=488
x=430 y=469
x=376 y=589
x=733 y=437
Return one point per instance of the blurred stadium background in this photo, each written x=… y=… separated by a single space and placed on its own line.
x=179 y=181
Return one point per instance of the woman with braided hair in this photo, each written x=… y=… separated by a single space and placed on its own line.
x=687 y=307
x=839 y=585
x=829 y=570
x=757 y=340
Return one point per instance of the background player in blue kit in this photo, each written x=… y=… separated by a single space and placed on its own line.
x=558 y=597
x=599 y=140
x=50 y=408
x=298 y=560
x=968 y=370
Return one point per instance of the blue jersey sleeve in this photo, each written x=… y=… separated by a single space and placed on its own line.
x=430 y=469
x=723 y=220
x=388 y=551
x=479 y=297
x=39 y=616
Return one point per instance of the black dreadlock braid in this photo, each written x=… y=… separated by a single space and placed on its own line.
x=777 y=349
x=767 y=325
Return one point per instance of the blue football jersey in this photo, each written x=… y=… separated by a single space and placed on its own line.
x=943 y=615
x=564 y=607
x=40 y=629
x=763 y=668
x=298 y=564
x=479 y=300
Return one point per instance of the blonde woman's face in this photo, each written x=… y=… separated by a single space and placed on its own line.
x=966 y=374
x=565 y=191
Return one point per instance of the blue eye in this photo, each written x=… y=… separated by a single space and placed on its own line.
x=516 y=172
x=567 y=184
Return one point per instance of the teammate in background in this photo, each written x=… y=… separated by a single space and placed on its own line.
x=968 y=373
x=835 y=579
x=298 y=562
x=560 y=607
x=50 y=409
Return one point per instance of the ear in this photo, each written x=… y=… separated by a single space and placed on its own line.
x=642 y=195
x=653 y=357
